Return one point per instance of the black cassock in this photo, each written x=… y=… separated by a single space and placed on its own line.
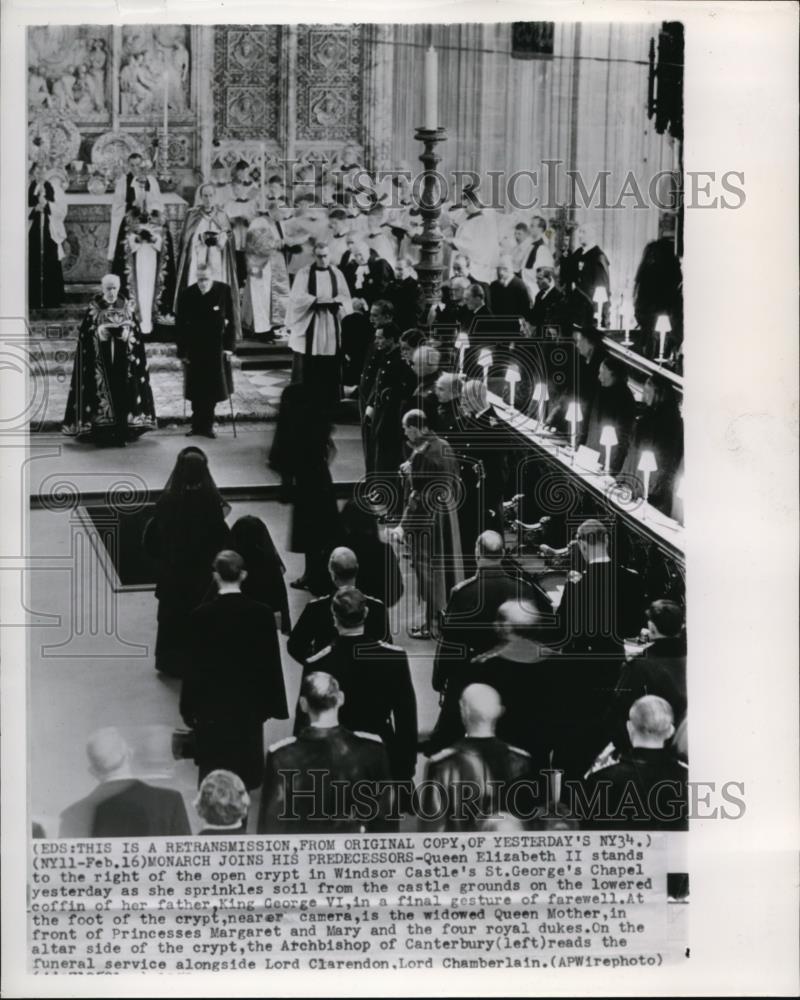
x=109 y=396
x=204 y=330
x=45 y=277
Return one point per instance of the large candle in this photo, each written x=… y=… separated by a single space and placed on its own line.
x=166 y=133
x=263 y=170
x=431 y=89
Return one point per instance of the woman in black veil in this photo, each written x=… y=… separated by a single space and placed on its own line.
x=264 y=582
x=186 y=532
x=301 y=452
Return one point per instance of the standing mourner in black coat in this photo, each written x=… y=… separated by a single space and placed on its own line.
x=234 y=682
x=301 y=452
x=394 y=383
x=659 y=429
x=46 y=215
x=205 y=332
x=586 y=270
x=613 y=406
x=185 y=533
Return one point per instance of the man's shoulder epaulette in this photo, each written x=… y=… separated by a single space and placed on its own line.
x=442 y=755
x=319 y=655
x=391 y=646
x=282 y=743
x=519 y=751
x=367 y=736
x=483 y=657
x=463 y=583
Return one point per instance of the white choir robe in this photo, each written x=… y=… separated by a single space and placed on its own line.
x=337 y=247
x=543 y=258
x=213 y=256
x=145 y=201
x=300 y=312
x=146 y=271
x=240 y=210
x=476 y=237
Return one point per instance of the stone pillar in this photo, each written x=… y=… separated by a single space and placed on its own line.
x=204 y=68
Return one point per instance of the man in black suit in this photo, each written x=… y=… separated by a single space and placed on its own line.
x=121 y=805
x=375 y=680
x=315 y=628
x=548 y=306
x=309 y=778
x=660 y=670
x=425 y=363
x=602 y=604
x=509 y=301
x=586 y=270
x=234 y=682
x=368 y=275
x=612 y=406
x=204 y=334
x=403 y=293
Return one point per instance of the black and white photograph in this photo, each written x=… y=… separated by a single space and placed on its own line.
x=361 y=588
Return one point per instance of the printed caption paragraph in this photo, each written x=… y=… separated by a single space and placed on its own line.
x=491 y=901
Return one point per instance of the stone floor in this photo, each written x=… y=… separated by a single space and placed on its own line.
x=256 y=393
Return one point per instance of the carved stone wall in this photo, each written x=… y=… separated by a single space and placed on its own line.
x=247 y=99
x=329 y=82
x=69 y=71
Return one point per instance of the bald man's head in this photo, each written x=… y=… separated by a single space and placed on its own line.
x=108 y=753
x=650 y=722
x=480 y=708
x=489 y=546
x=518 y=618
x=343 y=566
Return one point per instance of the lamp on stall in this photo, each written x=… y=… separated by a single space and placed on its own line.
x=626 y=319
x=608 y=439
x=485 y=362
x=574 y=417
x=600 y=298
x=512 y=377
x=647 y=464
x=541 y=396
x=663 y=327
x=462 y=345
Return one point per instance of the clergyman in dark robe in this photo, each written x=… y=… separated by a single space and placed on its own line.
x=110 y=399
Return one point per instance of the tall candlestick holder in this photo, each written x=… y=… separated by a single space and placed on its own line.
x=429 y=268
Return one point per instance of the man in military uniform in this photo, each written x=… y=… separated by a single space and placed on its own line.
x=481 y=443
x=381 y=314
x=375 y=680
x=523 y=671
x=309 y=779
x=315 y=630
x=394 y=384
x=469 y=622
x=479 y=776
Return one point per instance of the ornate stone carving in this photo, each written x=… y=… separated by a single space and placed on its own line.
x=111 y=150
x=246 y=81
x=329 y=81
x=52 y=139
x=155 y=57
x=68 y=70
